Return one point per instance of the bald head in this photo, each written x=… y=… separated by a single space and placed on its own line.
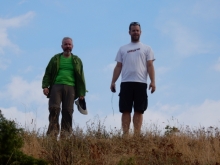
x=67 y=38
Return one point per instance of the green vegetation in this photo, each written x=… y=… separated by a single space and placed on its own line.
x=11 y=141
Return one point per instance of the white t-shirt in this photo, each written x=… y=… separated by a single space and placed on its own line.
x=134 y=57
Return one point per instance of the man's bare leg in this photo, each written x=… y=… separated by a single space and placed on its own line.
x=137 y=121
x=126 y=120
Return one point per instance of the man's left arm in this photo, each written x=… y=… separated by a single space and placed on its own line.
x=82 y=88
x=151 y=72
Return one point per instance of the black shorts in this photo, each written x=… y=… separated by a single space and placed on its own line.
x=133 y=94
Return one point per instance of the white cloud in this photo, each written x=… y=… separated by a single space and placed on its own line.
x=29 y=105
x=162 y=70
x=182 y=23
x=27 y=70
x=12 y=23
x=93 y=97
x=217 y=65
x=5 y=42
x=28 y=120
x=186 y=41
x=29 y=93
x=206 y=114
x=4 y=63
x=16 y=21
x=112 y=122
x=33 y=113
x=207 y=9
x=110 y=67
x=195 y=116
x=20 y=90
x=22 y=1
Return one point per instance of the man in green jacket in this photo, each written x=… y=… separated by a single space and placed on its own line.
x=64 y=82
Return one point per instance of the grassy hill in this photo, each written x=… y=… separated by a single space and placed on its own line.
x=96 y=146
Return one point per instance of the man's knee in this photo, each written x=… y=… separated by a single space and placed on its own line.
x=126 y=114
x=138 y=113
x=54 y=110
x=67 y=111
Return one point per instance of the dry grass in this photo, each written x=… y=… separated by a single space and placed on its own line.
x=96 y=146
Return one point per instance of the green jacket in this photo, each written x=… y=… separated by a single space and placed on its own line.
x=52 y=70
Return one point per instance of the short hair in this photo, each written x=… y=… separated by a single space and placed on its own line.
x=134 y=24
x=65 y=38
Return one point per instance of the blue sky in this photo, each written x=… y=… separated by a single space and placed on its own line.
x=184 y=36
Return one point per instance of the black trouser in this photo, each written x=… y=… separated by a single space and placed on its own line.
x=64 y=94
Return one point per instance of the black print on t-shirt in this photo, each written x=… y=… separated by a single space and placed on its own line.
x=133 y=50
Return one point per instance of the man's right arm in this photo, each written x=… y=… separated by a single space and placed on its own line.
x=47 y=78
x=116 y=73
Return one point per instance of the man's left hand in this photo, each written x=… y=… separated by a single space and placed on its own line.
x=152 y=86
x=81 y=97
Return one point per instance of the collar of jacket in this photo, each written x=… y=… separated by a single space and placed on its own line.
x=73 y=56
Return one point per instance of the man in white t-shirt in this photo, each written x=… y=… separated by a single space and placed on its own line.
x=135 y=63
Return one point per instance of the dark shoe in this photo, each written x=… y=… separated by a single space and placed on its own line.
x=81 y=105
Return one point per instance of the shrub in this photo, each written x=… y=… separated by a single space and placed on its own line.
x=10 y=144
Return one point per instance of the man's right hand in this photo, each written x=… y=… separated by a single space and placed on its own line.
x=45 y=91
x=112 y=87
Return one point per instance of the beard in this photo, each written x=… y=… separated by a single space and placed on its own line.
x=67 y=51
x=135 y=38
